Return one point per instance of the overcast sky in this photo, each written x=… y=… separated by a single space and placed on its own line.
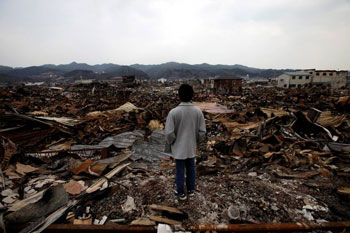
x=256 y=33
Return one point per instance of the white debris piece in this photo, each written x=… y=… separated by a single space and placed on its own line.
x=129 y=205
x=252 y=174
x=164 y=228
x=274 y=207
x=40 y=184
x=103 y=220
x=306 y=214
x=321 y=221
x=29 y=190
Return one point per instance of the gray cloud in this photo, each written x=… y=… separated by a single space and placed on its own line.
x=259 y=33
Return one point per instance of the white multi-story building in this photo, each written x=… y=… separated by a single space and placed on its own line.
x=293 y=79
x=332 y=78
x=336 y=79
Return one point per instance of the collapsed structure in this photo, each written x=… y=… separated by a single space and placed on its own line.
x=94 y=155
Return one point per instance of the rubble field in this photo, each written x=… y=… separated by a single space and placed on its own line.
x=94 y=154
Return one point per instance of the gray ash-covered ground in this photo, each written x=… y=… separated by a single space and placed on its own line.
x=260 y=199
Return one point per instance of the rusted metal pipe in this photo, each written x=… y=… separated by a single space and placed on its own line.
x=273 y=227
x=67 y=228
x=268 y=227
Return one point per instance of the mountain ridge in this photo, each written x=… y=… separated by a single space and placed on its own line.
x=170 y=70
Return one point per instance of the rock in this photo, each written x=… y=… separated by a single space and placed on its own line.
x=233 y=213
x=252 y=174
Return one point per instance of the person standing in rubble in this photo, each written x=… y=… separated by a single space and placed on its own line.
x=184 y=127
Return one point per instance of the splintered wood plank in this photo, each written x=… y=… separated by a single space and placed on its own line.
x=344 y=190
x=165 y=208
x=164 y=220
x=109 y=175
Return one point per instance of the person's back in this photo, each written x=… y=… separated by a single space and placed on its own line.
x=187 y=120
x=184 y=127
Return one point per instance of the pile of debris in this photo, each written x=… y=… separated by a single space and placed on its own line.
x=95 y=155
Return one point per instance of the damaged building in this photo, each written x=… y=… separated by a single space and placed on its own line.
x=226 y=84
x=312 y=77
x=333 y=78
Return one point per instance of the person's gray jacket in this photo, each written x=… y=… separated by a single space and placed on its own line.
x=184 y=127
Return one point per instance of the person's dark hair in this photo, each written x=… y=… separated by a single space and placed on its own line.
x=185 y=93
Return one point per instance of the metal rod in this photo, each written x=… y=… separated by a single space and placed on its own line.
x=266 y=227
x=273 y=227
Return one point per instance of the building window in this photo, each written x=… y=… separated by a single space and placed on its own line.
x=299 y=85
x=307 y=77
x=285 y=85
x=310 y=72
x=293 y=77
x=331 y=74
x=324 y=74
x=317 y=74
x=292 y=85
x=300 y=77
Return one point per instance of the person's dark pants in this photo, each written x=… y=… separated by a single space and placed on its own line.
x=181 y=165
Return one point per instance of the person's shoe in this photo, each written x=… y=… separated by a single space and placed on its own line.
x=190 y=193
x=182 y=196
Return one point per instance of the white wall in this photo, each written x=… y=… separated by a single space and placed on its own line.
x=283 y=81
x=323 y=77
x=299 y=80
x=340 y=80
x=293 y=81
x=334 y=78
